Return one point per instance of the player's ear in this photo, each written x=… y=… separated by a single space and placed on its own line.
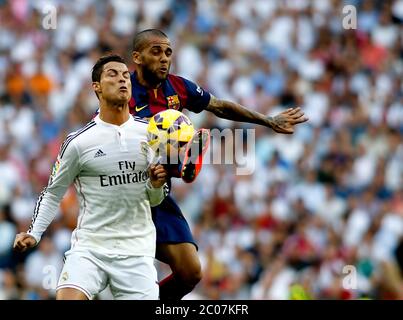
x=136 y=57
x=97 y=87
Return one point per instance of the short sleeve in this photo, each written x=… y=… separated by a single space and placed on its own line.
x=197 y=98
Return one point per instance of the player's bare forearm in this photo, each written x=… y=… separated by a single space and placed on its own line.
x=236 y=112
x=282 y=123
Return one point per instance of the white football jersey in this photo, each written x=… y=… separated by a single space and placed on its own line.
x=108 y=165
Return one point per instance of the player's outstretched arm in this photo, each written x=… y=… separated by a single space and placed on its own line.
x=284 y=122
x=24 y=241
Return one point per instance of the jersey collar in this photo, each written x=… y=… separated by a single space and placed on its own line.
x=98 y=120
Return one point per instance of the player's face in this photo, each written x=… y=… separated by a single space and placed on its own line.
x=115 y=82
x=155 y=59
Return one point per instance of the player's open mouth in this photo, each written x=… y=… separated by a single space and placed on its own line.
x=123 y=89
x=164 y=69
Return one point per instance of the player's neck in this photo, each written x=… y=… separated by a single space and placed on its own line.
x=145 y=82
x=116 y=114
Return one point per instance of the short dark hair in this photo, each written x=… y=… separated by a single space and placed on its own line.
x=99 y=65
x=141 y=37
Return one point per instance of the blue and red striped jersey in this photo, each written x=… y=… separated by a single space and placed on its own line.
x=174 y=93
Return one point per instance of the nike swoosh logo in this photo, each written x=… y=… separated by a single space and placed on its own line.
x=138 y=109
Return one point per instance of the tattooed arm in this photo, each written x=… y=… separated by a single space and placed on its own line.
x=282 y=123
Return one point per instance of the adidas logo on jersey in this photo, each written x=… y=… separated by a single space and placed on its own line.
x=99 y=154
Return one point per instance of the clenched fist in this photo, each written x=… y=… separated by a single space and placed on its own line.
x=158 y=175
x=24 y=241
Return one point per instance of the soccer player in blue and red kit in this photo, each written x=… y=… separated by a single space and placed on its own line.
x=154 y=89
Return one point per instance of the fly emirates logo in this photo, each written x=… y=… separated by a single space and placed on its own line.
x=128 y=175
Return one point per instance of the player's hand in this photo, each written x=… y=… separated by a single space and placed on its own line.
x=24 y=241
x=286 y=120
x=158 y=175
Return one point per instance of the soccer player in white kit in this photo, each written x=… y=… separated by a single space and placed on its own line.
x=117 y=183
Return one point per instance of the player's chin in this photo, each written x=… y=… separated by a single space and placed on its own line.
x=162 y=75
x=123 y=96
x=119 y=102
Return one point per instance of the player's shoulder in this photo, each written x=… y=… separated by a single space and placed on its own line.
x=141 y=121
x=180 y=83
x=188 y=85
x=77 y=135
x=140 y=125
x=174 y=78
x=74 y=134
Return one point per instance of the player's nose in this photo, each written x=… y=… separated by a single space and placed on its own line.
x=121 y=78
x=164 y=58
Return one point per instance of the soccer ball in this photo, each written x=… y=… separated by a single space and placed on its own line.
x=168 y=131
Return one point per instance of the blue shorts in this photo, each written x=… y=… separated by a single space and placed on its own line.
x=170 y=223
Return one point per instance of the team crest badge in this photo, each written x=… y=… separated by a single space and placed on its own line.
x=65 y=276
x=173 y=102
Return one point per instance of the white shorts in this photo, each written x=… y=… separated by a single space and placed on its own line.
x=129 y=277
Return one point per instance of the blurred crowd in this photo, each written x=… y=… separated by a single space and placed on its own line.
x=320 y=216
